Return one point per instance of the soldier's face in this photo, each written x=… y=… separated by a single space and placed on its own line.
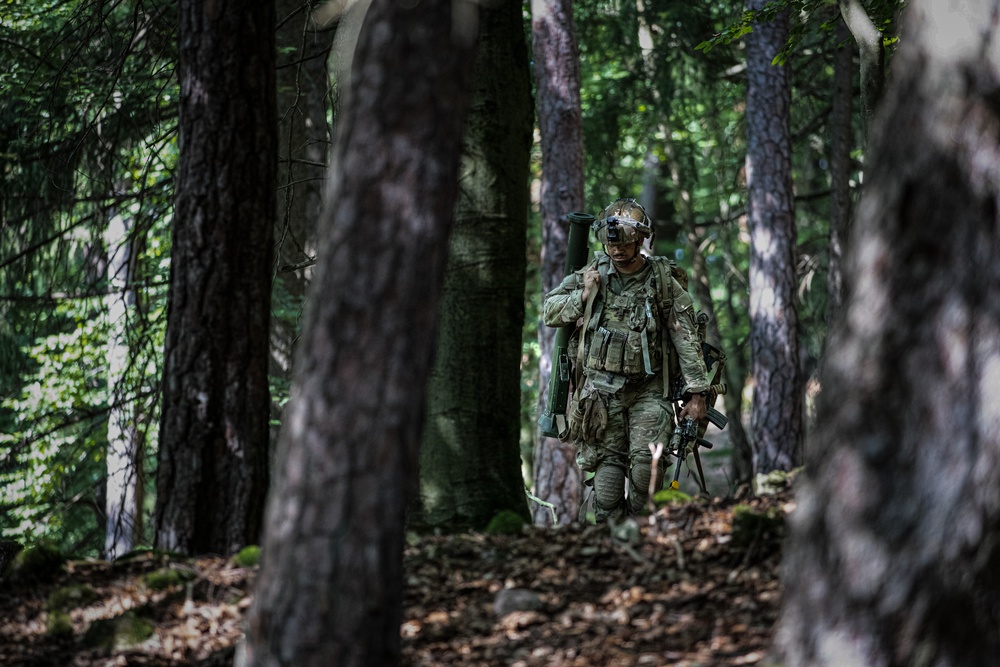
x=623 y=252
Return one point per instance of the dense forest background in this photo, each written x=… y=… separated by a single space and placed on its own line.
x=91 y=168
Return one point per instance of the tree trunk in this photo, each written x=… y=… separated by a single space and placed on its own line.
x=841 y=142
x=557 y=480
x=470 y=464
x=126 y=444
x=776 y=411
x=869 y=41
x=893 y=556
x=212 y=473
x=304 y=101
x=330 y=588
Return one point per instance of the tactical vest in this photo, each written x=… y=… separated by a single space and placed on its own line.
x=626 y=337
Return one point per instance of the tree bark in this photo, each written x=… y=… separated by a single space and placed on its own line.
x=212 y=473
x=841 y=142
x=126 y=444
x=470 y=463
x=869 y=41
x=556 y=478
x=776 y=410
x=330 y=588
x=893 y=556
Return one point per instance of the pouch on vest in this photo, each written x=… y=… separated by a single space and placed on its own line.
x=632 y=362
x=615 y=353
x=598 y=344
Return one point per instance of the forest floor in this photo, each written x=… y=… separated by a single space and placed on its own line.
x=695 y=586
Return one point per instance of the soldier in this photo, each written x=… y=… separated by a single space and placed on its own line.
x=639 y=334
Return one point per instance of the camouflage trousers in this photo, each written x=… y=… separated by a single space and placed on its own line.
x=638 y=415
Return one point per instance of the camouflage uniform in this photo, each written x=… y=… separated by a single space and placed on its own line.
x=622 y=405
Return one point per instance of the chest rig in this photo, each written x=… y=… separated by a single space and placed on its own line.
x=625 y=330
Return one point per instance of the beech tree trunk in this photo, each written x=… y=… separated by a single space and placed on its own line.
x=470 y=460
x=212 y=475
x=556 y=477
x=776 y=410
x=126 y=442
x=330 y=587
x=893 y=557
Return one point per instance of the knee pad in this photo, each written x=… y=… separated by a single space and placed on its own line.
x=609 y=488
x=638 y=489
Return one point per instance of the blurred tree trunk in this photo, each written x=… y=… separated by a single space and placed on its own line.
x=776 y=411
x=893 y=557
x=470 y=465
x=304 y=102
x=330 y=588
x=556 y=478
x=212 y=474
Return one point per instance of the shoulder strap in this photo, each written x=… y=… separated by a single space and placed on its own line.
x=662 y=268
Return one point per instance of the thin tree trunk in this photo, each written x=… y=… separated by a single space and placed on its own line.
x=841 y=141
x=893 y=555
x=304 y=102
x=470 y=464
x=330 y=588
x=212 y=475
x=869 y=41
x=776 y=411
x=124 y=495
x=557 y=479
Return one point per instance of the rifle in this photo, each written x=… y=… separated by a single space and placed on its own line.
x=688 y=431
x=552 y=421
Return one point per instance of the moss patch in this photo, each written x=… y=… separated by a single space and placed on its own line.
x=247 y=556
x=71 y=597
x=120 y=632
x=506 y=522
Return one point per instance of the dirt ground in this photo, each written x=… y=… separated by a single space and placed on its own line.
x=695 y=586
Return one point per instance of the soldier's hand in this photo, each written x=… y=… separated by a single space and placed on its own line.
x=591 y=279
x=696 y=408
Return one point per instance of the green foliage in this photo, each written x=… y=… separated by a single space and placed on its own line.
x=506 y=522
x=247 y=556
x=87 y=109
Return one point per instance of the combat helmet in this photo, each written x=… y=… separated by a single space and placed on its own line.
x=624 y=221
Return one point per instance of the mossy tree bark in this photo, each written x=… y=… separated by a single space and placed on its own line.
x=470 y=465
x=330 y=587
x=212 y=475
x=893 y=557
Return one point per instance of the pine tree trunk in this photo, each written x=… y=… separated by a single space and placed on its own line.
x=893 y=556
x=555 y=475
x=330 y=588
x=212 y=474
x=470 y=464
x=776 y=411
